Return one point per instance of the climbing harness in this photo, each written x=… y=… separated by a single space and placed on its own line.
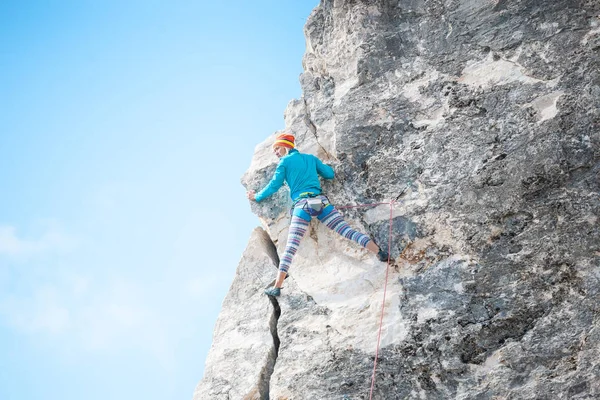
x=311 y=203
x=314 y=205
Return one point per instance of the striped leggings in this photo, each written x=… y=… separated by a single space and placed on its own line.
x=298 y=227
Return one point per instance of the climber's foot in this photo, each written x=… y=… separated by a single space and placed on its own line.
x=274 y=291
x=383 y=255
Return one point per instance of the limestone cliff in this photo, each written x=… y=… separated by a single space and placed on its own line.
x=483 y=116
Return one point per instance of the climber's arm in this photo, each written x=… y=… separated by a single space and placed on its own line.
x=274 y=185
x=324 y=170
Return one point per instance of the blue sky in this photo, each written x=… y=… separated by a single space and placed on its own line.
x=125 y=127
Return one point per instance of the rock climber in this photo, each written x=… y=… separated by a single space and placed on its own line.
x=301 y=172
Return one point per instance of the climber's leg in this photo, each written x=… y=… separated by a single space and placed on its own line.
x=371 y=246
x=335 y=221
x=280 y=278
x=298 y=228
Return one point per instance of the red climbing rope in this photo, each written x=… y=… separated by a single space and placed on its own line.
x=363 y=205
x=387 y=271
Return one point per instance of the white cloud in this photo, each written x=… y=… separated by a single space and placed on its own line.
x=117 y=314
x=80 y=306
x=91 y=317
x=51 y=240
x=43 y=312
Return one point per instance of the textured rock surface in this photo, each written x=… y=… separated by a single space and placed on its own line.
x=244 y=349
x=488 y=111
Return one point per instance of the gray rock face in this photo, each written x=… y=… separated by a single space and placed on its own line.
x=484 y=116
x=245 y=344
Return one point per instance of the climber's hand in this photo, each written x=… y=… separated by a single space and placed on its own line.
x=251 y=195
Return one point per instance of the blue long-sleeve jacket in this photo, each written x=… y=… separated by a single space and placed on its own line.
x=301 y=172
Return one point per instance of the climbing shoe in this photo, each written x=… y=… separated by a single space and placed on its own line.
x=383 y=255
x=274 y=291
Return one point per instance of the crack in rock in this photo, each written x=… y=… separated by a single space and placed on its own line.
x=313 y=129
x=267 y=370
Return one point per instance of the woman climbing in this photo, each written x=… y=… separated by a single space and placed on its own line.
x=301 y=172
